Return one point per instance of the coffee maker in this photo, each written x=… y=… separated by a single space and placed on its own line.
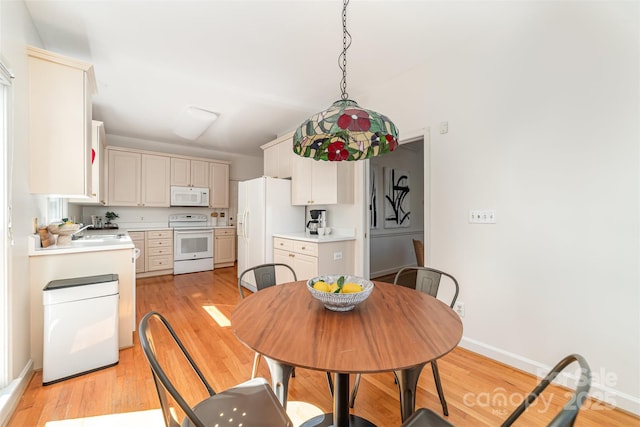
x=318 y=220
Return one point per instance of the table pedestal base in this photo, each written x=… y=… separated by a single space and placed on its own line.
x=326 y=420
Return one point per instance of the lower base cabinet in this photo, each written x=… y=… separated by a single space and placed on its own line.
x=224 y=249
x=137 y=237
x=156 y=252
x=310 y=259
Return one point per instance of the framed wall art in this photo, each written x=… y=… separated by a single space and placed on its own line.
x=396 y=198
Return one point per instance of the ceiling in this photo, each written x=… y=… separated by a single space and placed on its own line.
x=264 y=66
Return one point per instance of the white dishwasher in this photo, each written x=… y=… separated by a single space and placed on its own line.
x=80 y=326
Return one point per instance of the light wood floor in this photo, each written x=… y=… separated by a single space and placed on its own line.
x=479 y=391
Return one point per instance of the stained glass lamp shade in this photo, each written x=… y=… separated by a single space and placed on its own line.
x=345 y=131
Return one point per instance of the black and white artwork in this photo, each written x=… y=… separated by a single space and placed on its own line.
x=396 y=198
x=373 y=197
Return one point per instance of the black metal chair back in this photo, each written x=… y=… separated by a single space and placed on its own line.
x=426 y=280
x=265 y=276
x=424 y=417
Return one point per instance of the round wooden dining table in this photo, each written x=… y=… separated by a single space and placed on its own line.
x=396 y=329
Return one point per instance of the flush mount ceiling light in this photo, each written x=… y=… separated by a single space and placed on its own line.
x=193 y=121
x=345 y=131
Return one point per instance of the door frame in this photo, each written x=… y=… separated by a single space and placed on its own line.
x=412 y=136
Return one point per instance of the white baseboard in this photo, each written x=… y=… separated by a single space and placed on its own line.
x=598 y=391
x=10 y=395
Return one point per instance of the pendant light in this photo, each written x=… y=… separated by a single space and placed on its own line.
x=345 y=131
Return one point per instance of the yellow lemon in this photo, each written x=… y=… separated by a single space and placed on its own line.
x=321 y=286
x=333 y=287
x=351 y=288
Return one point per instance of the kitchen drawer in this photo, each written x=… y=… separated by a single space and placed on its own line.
x=159 y=234
x=160 y=251
x=160 y=243
x=284 y=244
x=305 y=248
x=224 y=232
x=160 y=262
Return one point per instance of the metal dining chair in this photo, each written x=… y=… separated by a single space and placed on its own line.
x=424 y=417
x=251 y=403
x=264 y=277
x=427 y=280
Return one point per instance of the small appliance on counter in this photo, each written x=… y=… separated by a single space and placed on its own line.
x=96 y=222
x=318 y=220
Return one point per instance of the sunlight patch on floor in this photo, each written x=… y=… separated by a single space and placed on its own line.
x=217 y=315
x=151 y=418
x=300 y=412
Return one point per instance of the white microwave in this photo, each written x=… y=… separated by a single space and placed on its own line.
x=189 y=196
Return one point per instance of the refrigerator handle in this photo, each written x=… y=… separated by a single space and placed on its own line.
x=244 y=224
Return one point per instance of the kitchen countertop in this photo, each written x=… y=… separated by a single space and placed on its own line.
x=303 y=236
x=97 y=242
x=151 y=228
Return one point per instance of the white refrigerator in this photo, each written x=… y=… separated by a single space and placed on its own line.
x=264 y=208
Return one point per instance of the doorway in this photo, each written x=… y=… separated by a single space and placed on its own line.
x=396 y=208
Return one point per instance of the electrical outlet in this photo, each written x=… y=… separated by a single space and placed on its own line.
x=459 y=308
x=337 y=256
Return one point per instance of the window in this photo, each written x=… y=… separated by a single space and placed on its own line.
x=5 y=220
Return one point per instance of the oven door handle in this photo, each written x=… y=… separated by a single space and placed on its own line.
x=187 y=232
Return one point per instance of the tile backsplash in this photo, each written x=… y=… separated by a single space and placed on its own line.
x=130 y=217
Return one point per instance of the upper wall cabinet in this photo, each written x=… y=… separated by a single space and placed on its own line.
x=219 y=194
x=98 y=193
x=321 y=182
x=278 y=156
x=137 y=179
x=189 y=173
x=60 y=91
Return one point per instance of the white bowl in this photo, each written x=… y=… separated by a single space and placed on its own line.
x=341 y=302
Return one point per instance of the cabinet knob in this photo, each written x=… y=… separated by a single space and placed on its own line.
x=292 y=256
x=304 y=247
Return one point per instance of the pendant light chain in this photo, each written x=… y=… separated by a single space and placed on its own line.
x=346 y=42
x=345 y=131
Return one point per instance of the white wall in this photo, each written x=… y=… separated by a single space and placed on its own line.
x=16 y=31
x=543 y=106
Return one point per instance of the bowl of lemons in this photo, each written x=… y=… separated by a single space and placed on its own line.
x=340 y=292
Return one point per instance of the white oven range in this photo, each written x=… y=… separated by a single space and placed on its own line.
x=192 y=243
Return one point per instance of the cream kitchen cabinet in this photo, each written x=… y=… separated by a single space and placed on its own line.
x=137 y=237
x=278 y=156
x=155 y=180
x=156 y=252
x=60 y=91
x=98 y=193
x=219 y=187
x=189 y=173
x=159 y=250
x=310 y=259
x=136 y=179
x=224 y=247
x=320 y=183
